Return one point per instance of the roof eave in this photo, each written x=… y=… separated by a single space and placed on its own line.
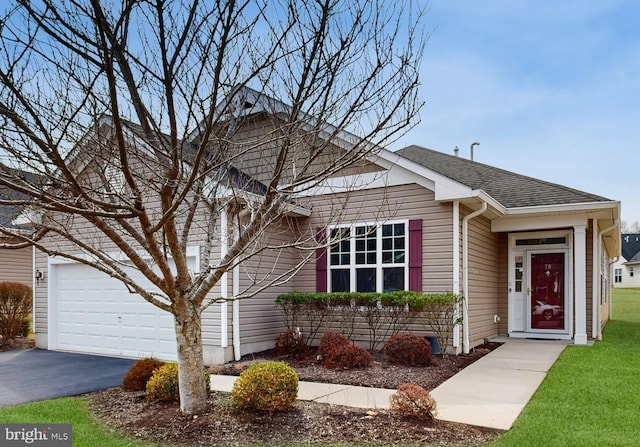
x=590 y=207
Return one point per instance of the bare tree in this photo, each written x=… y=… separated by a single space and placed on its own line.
x=629 y=228
x=122 y=131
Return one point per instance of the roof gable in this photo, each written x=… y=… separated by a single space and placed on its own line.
x=10 y=211
x=631 y=247
x=510 y=189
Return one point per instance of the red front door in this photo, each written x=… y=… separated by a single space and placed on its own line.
x=547 y=290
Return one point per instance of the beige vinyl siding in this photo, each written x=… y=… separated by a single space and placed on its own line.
x=403 y=202
x=40 y=291
x=258 y=142
x=503 y=283
x=605 y=286
x=17 y=265
x=211 y=325
x=484 y=279
x=260 y=320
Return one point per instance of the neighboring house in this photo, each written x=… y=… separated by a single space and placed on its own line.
x=15 y=264
x=626 y=269
x=531 y=257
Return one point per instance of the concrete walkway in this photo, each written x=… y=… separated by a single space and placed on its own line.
x=489 y=393
x=493 y=391
x=326 y=393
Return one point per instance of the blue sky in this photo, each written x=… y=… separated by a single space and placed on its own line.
x=550 y=89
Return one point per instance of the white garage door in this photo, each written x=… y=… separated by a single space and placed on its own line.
x=96 y=314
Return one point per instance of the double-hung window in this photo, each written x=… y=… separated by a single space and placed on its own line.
x=617 y=275
x=368 y=258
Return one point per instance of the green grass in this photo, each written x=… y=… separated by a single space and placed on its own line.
x=86 y=432
x=591 y=396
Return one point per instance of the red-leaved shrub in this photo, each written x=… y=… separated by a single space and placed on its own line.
x=331 y=341
x=140 y=373
x=408 y=349
x=291 y=344
x=414 y=401
x=15 y=305
x=347 y=356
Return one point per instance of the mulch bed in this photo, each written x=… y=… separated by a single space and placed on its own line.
x=17 y=344
x=312 y=423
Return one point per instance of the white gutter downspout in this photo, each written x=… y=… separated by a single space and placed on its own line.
x=236 y=306
x=597 y=331
x=465 y=275
x=224 y=281
x=34 y=289
x=237 y=355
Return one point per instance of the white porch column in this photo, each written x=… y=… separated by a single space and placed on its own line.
x=580 y=282
x=456 y=270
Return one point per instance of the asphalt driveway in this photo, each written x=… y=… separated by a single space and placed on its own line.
x=36 y=374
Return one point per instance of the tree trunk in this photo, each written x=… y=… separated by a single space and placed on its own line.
x=193 y=391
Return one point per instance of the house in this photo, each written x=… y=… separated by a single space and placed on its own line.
x=530 y=257
x=626 y=269
x=16 y=265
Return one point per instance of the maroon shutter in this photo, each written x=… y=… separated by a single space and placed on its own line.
x=415 y=255
x=321 y=261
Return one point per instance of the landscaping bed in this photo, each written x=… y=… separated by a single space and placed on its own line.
x=308 y=422
x=17 y=344
x=223 y=425
x=381 y=374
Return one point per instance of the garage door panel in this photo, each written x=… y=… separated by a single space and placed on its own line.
x=97 y=314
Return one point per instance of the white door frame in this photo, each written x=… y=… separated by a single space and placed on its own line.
x=519 y=302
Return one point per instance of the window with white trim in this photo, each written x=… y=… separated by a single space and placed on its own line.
x=630 y=272
x=617 y=275
x=368 y=258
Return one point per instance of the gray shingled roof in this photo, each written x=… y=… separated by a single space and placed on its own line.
x=9 y=212
x=631 y=247
x=510 y=189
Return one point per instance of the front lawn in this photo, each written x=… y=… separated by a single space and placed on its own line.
x=86 y=432
x=591 y=395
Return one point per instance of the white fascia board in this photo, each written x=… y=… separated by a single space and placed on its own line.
x=27 y=218
x=445 y=189
x=532 y=222
x=360 y=182
x=553 y=216
x=249 y=197
x=397 y=171
x=566 y=208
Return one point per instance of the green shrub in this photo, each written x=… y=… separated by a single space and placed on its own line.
x=408 y=349
x=140 y=373
x=15 y=305
x=439 y=314
x=266 y=386
x=414 y=401
x=25 y=327
x=163 y=384
x=348 y=356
